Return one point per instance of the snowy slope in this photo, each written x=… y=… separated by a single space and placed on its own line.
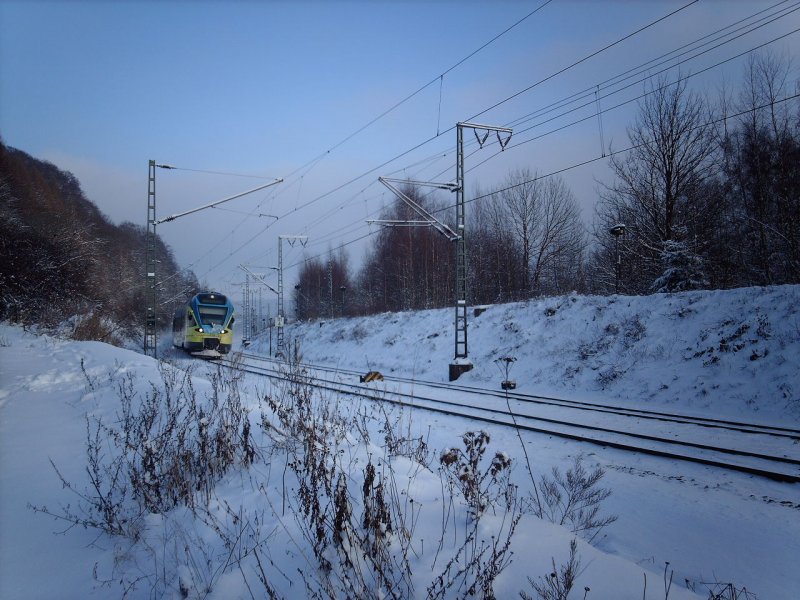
x=732 y=353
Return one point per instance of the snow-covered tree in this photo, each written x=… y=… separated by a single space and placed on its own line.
x=683 y=269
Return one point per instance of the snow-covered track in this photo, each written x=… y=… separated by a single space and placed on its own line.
x=771 y=452
x=771 y=430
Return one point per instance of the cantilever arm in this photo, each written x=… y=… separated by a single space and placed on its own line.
x=442 y=228
x=199 y=208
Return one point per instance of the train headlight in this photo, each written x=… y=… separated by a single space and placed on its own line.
x=200 y=330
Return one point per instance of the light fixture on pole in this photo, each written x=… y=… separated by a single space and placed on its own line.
x=617 y=231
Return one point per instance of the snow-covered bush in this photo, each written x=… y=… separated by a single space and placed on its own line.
x=178 y=479
x=481 y=487
x=167 y=447
x=557 y=584
x=572 y=499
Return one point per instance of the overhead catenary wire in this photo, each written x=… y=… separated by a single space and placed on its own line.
x=311 y=163
x=630 y=100
x=174 y=168
x=638 y=70
x=582 y=164
x=646 y=69
x=636 y=98
x=582 y=60
x=634 y=147
x=399 y=103
x=660 y=60
x=520 y=143
x=614 y=107
x=528 y=88
x=440 y=155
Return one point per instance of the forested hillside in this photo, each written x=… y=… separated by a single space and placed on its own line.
x=61 y=258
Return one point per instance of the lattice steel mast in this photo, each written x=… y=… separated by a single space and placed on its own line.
x=461 y=363
x=280 y=319
x=150 y=291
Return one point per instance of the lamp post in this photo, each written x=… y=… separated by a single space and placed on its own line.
x=617 y=231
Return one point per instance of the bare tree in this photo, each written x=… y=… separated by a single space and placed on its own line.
x=524 y=199
x=561 y=240
x=61 y=257
x=495 y=259
x=322 y=286
x=761 y=154
x=657 y=190
x=533 y=228
x=407 y=268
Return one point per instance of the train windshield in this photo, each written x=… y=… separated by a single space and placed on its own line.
x=218 y=299
x=213 y=315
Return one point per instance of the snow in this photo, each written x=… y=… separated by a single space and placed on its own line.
x=727 y=354
x=734 y=353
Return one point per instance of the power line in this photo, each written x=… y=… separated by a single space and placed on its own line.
x=629 y=101
x=439 y=77
x=582 y=60
x=646 y=66
x=313 y=162
x=439 y=134
x=174 y=168
x=428 y=140
x=578 y=165
x=633 y=147
x=632 y=72
x=618 y=105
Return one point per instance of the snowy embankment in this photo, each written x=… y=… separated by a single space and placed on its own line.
x=725 y=353
x=721 y=353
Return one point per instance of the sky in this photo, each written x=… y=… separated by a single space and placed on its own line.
x=331 y=95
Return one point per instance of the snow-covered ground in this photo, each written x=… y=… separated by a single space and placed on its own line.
x=733 y=354
x=727 y=353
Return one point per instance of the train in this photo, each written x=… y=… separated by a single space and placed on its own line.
x=204 y=326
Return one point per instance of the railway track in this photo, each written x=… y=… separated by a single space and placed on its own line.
x=765 y=451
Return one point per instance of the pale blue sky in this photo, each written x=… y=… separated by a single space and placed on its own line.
x=99 y=88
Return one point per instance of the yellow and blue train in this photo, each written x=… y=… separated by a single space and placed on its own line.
x=204 y=326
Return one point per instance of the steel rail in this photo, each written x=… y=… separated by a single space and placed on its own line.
x=364 y=392
x=756 y=429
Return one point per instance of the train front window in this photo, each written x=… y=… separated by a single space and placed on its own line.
x=213 y=315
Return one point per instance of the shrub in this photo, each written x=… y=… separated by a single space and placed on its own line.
x=572 y=500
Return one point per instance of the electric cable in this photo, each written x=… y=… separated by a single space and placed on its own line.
x=583 y=163
x=439 y=77
x=440 y=155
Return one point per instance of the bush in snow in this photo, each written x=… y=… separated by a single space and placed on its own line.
x=481 y=488
x=476 y=564
x=356 y=556
x=572 y=500
x=557 y=584
x=167 y=447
